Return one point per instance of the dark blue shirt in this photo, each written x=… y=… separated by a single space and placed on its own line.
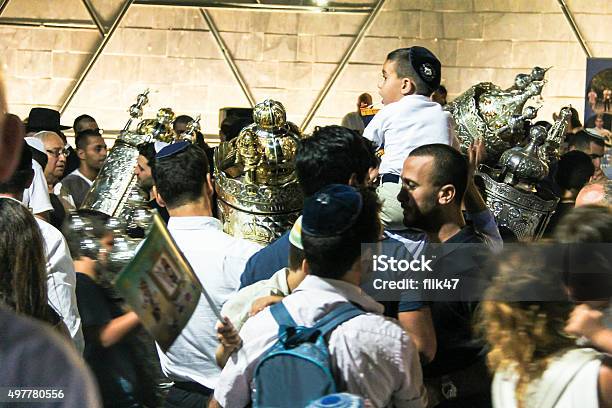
x=267 y=261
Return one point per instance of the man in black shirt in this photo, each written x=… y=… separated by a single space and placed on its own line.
x=434 y=180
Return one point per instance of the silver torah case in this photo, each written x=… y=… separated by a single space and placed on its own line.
x=116 y=185
x=510 y=179
x=496 y=115
x=116 y=180
x=511 y=190
x=259 y=197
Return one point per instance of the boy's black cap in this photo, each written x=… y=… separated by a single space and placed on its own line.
x=331 y=211
x=426 y=65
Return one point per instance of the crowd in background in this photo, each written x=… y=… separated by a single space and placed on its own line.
x=65 y=327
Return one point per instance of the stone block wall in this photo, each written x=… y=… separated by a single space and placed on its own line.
x=288 y=56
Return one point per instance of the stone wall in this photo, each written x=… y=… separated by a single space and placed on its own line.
x=287 y=56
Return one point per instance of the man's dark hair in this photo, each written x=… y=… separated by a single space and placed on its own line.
x=581 y=140
x=587 y=224
x=148 y=151
x=180 y=178
x=182 y=119
x=575 y=118
x=588 y=267
x=574 y=170
x=82 y=138
x=404 y=69
x=22 y=176
x=449 y=167
x=331 y=156
x=332 y=256
x=296 y=257
x=232 y=125
x=79 y=119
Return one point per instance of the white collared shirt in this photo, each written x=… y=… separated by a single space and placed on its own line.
x=217 y=259
x=61 y=281
x=372 y=356
x=403 y=126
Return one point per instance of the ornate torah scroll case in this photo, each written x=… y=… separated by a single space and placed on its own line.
x=518 y=154
x=258 y=194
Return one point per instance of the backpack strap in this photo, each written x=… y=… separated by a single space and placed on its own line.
x=281 y=315
x=323 y=326
x=336 y=317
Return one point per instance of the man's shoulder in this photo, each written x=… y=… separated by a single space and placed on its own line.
x=374 y=324
x=241 y=247
x=74 y=180
x=467 y=235
x=49 y=233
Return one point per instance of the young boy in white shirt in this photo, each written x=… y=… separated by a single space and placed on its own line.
x=409 y=119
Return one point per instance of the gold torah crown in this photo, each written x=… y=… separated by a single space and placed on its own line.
x=259 y=196
x=159 y=128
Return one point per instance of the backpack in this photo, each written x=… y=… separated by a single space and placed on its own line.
x=297 y=369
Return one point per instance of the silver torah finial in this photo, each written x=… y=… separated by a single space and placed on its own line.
x=136 y=109
x=556 y=134
x=191 y=131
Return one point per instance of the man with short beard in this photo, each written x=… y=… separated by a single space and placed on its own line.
x=143 y=171
x=91 y=150
x=435 y=178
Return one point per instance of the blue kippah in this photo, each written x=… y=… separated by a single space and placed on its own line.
x=331 y=210
x=172 y=149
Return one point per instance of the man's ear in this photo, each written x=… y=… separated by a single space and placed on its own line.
x=157 y=196
x=446 y=195
x=408 y=87
x=305 y=267
x=209 y=186
x=80 y=153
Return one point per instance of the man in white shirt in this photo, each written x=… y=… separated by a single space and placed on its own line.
x=91 y=150
x=61 y=278
x=184 y=187
x=371 y=355
x=408 y=120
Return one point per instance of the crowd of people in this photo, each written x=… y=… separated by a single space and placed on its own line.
x=299 y=318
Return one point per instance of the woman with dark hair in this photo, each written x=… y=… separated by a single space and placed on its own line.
x=23 y=275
